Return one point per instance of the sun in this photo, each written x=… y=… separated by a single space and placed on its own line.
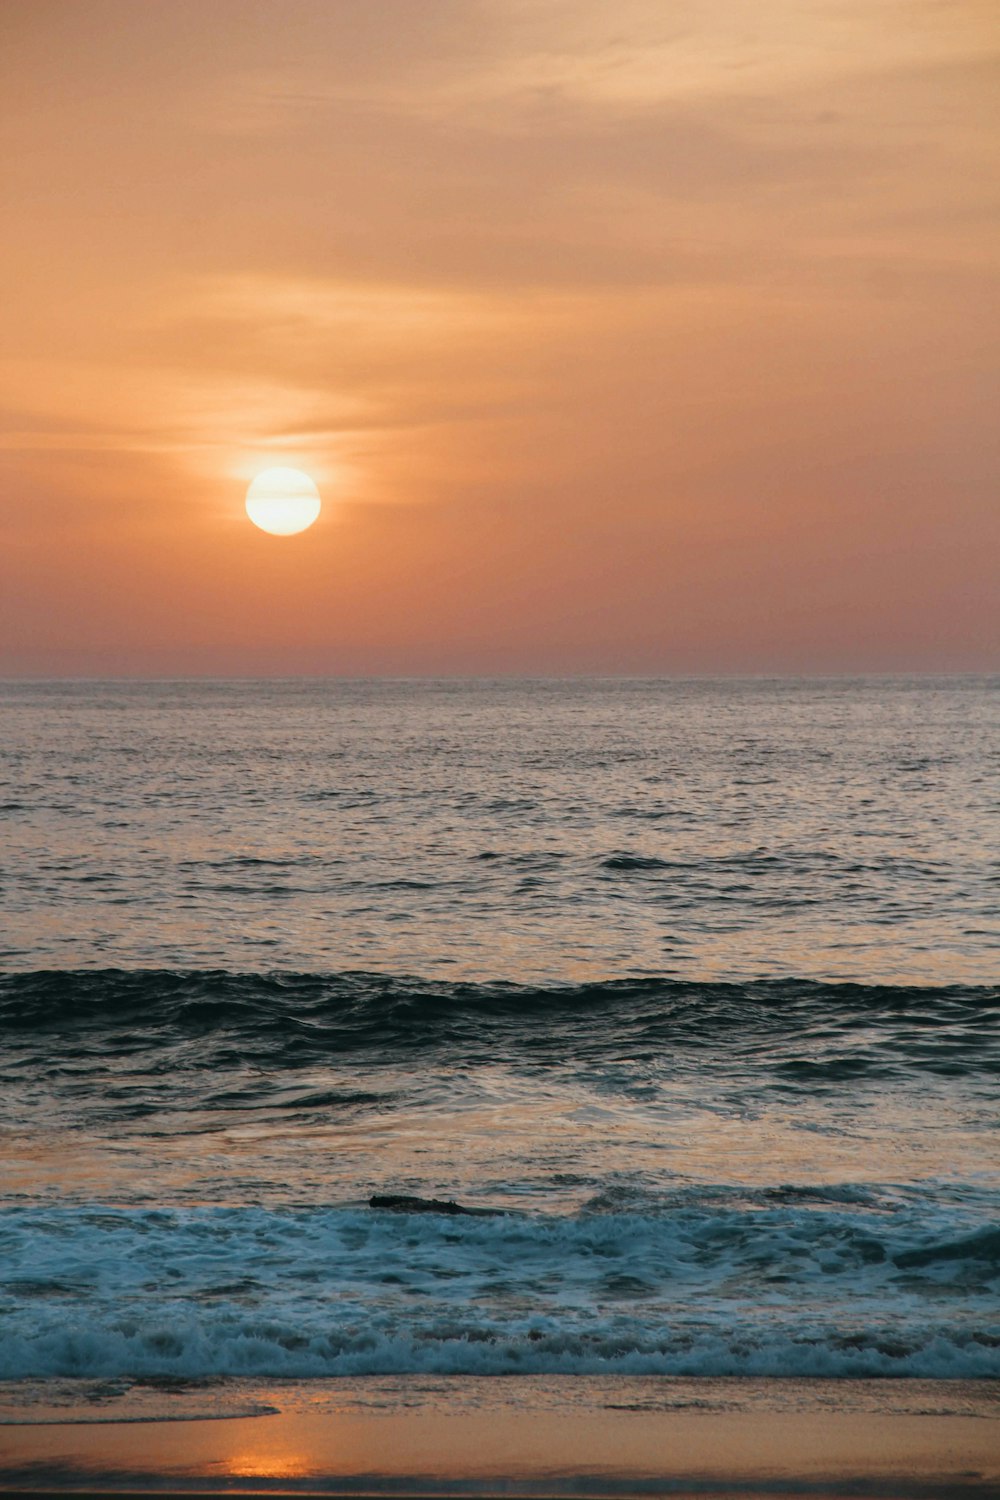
x=283 y=501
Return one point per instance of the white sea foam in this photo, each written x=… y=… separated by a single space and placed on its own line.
x=693 y=1291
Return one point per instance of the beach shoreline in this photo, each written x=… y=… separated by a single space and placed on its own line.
x=516 y=1436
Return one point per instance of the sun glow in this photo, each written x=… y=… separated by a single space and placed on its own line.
x=283 y=501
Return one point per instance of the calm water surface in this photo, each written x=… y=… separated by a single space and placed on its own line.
x=487 y=830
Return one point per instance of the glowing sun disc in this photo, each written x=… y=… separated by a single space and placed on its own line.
x=283 y=501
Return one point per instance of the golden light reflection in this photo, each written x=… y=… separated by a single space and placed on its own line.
x=266 y=1461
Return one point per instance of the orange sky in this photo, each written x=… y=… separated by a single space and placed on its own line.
x=639 y=337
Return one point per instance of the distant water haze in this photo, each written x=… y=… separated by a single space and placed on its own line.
x=542 y=830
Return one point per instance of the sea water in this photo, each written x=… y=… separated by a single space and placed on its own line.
x=695 y=982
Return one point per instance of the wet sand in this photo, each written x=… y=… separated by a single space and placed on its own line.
x=529 y=1436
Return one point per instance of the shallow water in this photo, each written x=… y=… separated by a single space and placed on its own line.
x=692 y=980
x=527 y=1436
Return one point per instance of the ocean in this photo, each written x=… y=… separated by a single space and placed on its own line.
x=695 y=982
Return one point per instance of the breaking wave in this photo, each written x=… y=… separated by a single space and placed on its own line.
x=699 y=1284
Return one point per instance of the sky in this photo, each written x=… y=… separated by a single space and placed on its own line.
x=619 y=338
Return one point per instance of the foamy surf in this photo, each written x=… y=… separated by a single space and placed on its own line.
x=697 y=1286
